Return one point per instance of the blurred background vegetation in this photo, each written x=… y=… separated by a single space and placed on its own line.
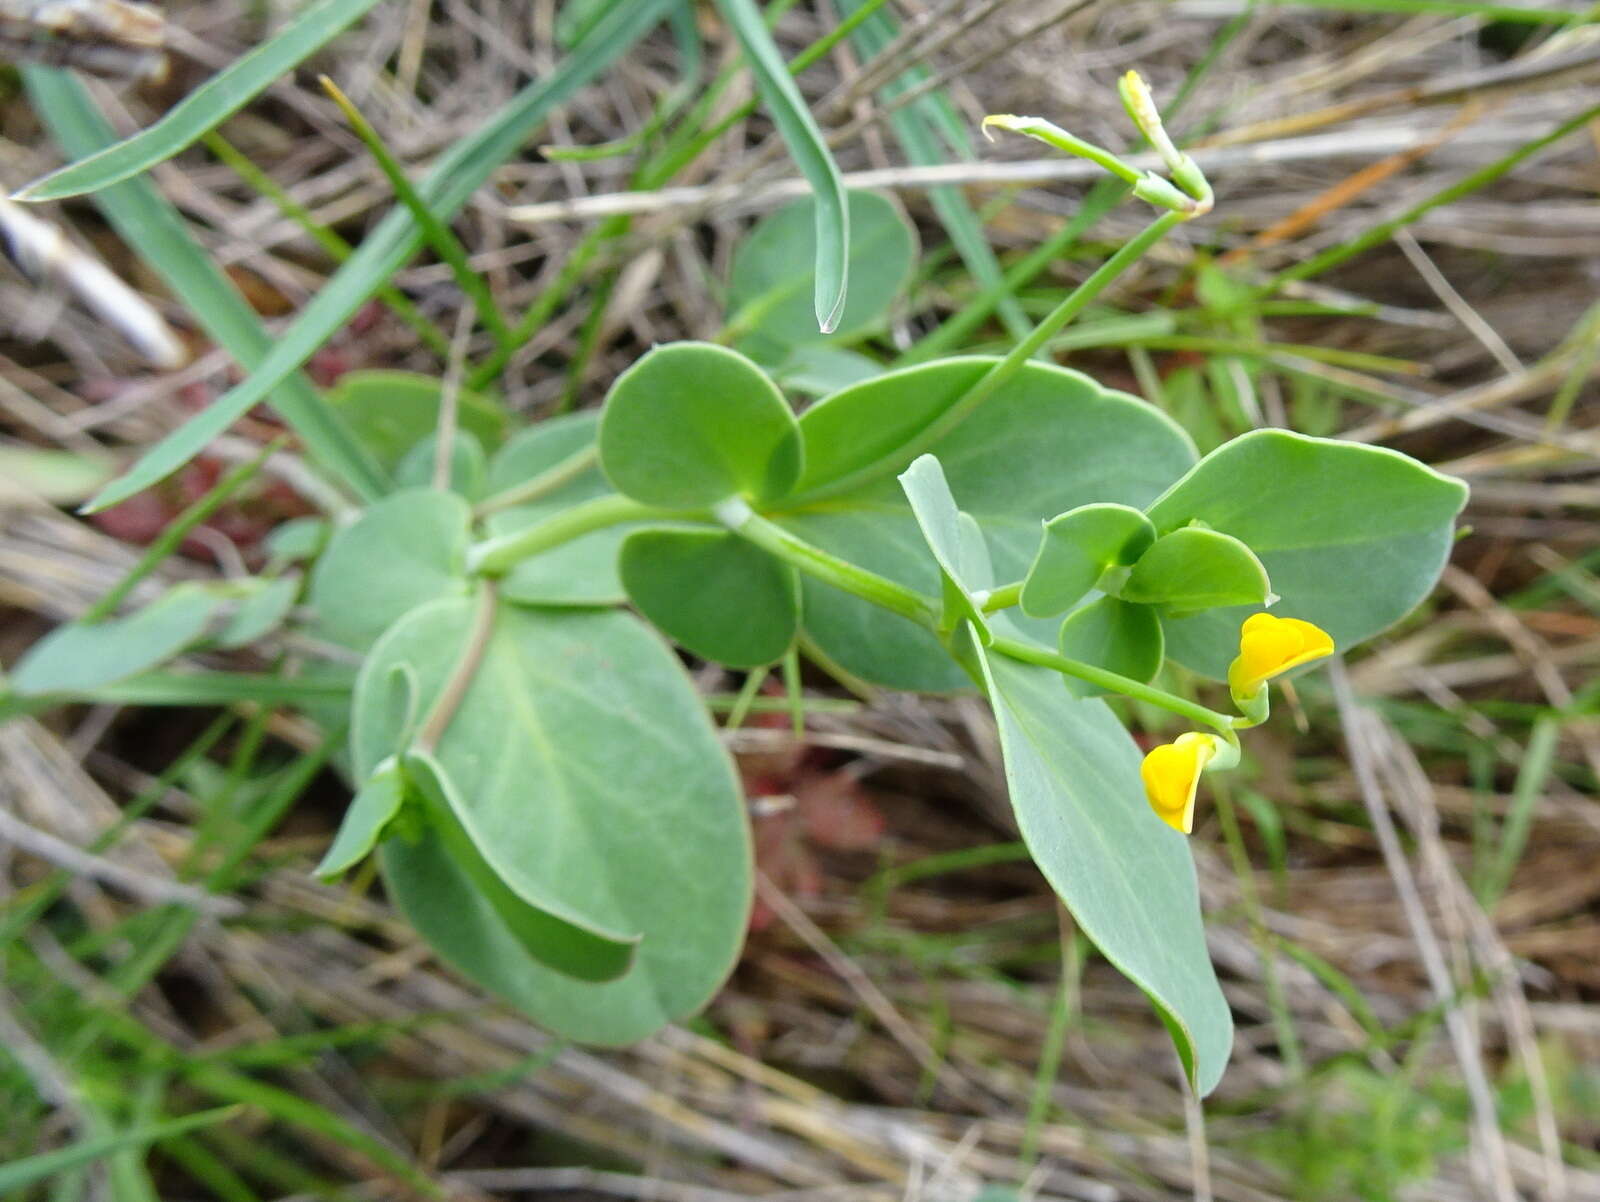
x=1400 y=883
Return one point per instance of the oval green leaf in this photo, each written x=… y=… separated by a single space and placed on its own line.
x=85 y=655
x=691 y=424
x=468 y=465
x=1193 y=568
x=1077 y=548
x=1125 y=876
x=716 y=594
x=1113 y=634
x=583 y=768
x=773 y=275
x=1352 y=536
x=580 y=572
x=1047 y=441
x=403 y=551
x=392 y=411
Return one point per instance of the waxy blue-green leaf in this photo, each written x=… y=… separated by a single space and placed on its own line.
x=771 y=281
x=1125 y=876
x=714 y=593
x=1352 y=536
x=1193 y=568
x=955 y=541
x=1077 y=548
x=580 y=572
x=208 y=106
x=572 y=949
x=371 y=811
x=821 y=370
x=1047 y=441
x=392 y=411
x=691 y=424
x=780 y=95
x=468 y=465
x=81 y=656
x=406 y=549
x=581 y=765
x=261 y=610
x=1113 y=634
x=455 y=176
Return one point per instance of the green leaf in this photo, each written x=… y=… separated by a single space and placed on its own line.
x=819 y=370
x=955 y=540
x=583 y=768
x=580 y=572
x=1194 y=568
x=392 y=411
x=1077 y=548
x=1113 y=634
x=298 y=539
x=20 y=1174
x=566 y=947
x=371 y=811
x=406 y=549
x=1353 y=537
x=457 y=174
x=719 y=596
x=263 y=608
x=468 y=465
x=691 y=424
x=87 y=655
x=1125 y=876
x=772 y=279
x=147 y=221
x=207 y=107
x=60 y=477
x=1047 y=441
x=810 y=152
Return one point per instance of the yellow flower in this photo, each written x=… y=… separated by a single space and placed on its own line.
x=1171 y=775
x=1269 y=646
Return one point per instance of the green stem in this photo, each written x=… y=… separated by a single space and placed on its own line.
x=1112 y=682
x=815 y=562
x=543 y=484
x=987 y=384
x=497 y=556
x=1003 y=597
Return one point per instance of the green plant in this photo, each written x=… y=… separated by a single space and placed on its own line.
x=544 y=790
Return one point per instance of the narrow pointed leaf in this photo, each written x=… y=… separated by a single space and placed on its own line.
x=455 y=177
x=207 y=107
x=1125 y=876
x=810 y=152
x=371 y=810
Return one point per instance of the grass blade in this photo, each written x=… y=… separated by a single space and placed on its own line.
x=809 y=150
x=148 y=223
x=396 y=238
x=207 y=107
x=924 y=128
x=22 y=1173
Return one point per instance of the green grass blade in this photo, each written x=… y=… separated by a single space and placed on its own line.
x=458 y=173
x=207 y=107
x=807 y=147
x=924 y=128
x=436 y=233
x=22 y=1173
x=148 y=223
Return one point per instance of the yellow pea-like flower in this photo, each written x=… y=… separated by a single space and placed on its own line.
x=1171 y=775
x=1269 y=646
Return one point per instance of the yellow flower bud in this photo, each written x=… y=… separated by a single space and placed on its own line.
x=1270 y=646
x=1171 y=775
